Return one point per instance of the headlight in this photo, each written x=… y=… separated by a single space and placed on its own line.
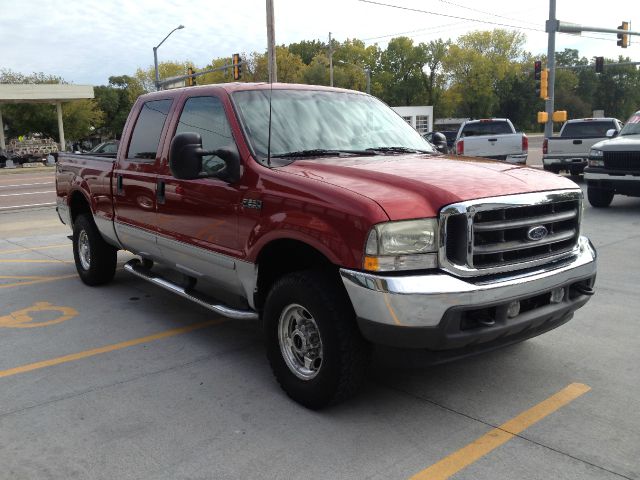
x=596 y=158
x=404 y=245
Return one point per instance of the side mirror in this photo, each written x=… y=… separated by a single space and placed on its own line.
x=231 y=172
x=612 y=132
x=185 y=156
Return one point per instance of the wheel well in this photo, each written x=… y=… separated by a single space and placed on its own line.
x=281 y=257
x=78 y=205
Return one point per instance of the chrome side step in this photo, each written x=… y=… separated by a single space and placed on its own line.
x=135 y=267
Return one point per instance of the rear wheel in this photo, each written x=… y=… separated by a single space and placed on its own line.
x=599 y=197
x=313 y=344
x=551 y=169
x=95 y=259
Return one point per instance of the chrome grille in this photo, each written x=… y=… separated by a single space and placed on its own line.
x=493 y=235
x=629 y=161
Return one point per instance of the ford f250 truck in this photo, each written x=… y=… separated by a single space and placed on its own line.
x=614 y=165
x=323 y=214
x=494 y=138
x=570 y=150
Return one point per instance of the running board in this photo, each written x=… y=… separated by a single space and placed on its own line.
x=135 y=267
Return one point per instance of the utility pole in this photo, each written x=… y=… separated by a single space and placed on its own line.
x=330 y=61
x=271 y=41
x=552 y=25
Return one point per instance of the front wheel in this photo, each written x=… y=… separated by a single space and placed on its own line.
x=313 y=344
x=95 y=259
x=599 y=197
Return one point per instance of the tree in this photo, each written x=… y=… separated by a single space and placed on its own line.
x=307 y=50
x=477 y=63
x=400 y=77
x=115 y=101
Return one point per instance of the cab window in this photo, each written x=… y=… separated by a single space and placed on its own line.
x=206 y=116
x=146 y=134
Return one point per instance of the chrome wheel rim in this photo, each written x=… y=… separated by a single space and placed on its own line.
x=84 y=252
x=300 y=342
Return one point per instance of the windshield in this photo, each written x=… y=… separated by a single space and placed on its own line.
x=633 y=125
x=317 y=121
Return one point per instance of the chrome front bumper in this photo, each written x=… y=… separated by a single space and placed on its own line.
x=419 y=304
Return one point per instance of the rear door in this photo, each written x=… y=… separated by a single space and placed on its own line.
x=135 y=177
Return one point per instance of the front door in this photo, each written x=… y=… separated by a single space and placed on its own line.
x=198 y=219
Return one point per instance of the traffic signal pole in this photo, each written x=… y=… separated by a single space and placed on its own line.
x=552 y=25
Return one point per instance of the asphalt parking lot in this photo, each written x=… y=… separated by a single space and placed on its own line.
x=127 y=381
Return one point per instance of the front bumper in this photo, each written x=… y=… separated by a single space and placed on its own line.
x=621 y=182
x=441 y=312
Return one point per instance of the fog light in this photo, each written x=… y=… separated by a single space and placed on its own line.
x=513 y=309
x=557 y=295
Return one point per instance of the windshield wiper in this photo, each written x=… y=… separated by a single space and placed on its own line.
x=320 y=152
x=398 y=150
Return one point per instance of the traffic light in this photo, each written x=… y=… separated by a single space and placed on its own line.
x=623 y=38
x=237 y=67
x=191 y=80
x=541 y=77
x=544 y=83
x=599 y=64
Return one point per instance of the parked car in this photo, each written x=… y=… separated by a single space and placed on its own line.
x=335 y=235
x=110 y=146
x=570 y=150
x=494 y=138
x=614 y=165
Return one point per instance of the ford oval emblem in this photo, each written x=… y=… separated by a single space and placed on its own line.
x=537 y=233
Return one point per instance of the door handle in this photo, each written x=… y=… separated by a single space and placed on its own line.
x=160 y=198
x=119 y=186
x=492 y=139
x=577 y=142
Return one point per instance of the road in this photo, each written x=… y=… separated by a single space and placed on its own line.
x=26 y=190
x=128 y=381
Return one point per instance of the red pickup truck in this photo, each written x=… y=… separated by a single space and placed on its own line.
x=323 y=214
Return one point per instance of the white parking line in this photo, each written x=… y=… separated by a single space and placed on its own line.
x=26 y=193
x=26 y=206
x=27 y=184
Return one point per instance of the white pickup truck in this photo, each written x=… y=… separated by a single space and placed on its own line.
x=614 y=165
x=492 y=138
x=570 y=150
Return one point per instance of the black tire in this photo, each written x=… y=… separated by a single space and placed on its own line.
x=345 y=354
x=599 y=197
x=100 y=265
x=551 y=169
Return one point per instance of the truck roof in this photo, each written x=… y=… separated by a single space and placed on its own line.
x=241 y=86
x=600 y=119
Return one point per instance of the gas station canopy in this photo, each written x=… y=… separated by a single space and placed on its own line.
x=42 y=93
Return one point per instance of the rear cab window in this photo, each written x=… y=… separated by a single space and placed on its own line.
x=499 y=127
x=588 y=129
x=146 y=133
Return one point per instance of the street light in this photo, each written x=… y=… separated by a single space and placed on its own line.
x=155 y=54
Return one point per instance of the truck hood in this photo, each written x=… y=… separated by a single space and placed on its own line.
x=415 y=185
x=619 y=144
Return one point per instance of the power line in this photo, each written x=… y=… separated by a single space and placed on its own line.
x=441 y=28
x=486 y=13
x=472 y=19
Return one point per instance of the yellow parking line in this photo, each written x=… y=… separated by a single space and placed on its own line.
x=108 y=348
x=464 y=457
x=33 y=282
x=30 y=249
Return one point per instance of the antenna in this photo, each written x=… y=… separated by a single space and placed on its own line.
x=269 y=137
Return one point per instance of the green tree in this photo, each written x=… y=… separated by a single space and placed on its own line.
x=115 y=101
x=308 y=49
x=400 y=77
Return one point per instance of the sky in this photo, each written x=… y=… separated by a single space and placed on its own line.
x=87 y=41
